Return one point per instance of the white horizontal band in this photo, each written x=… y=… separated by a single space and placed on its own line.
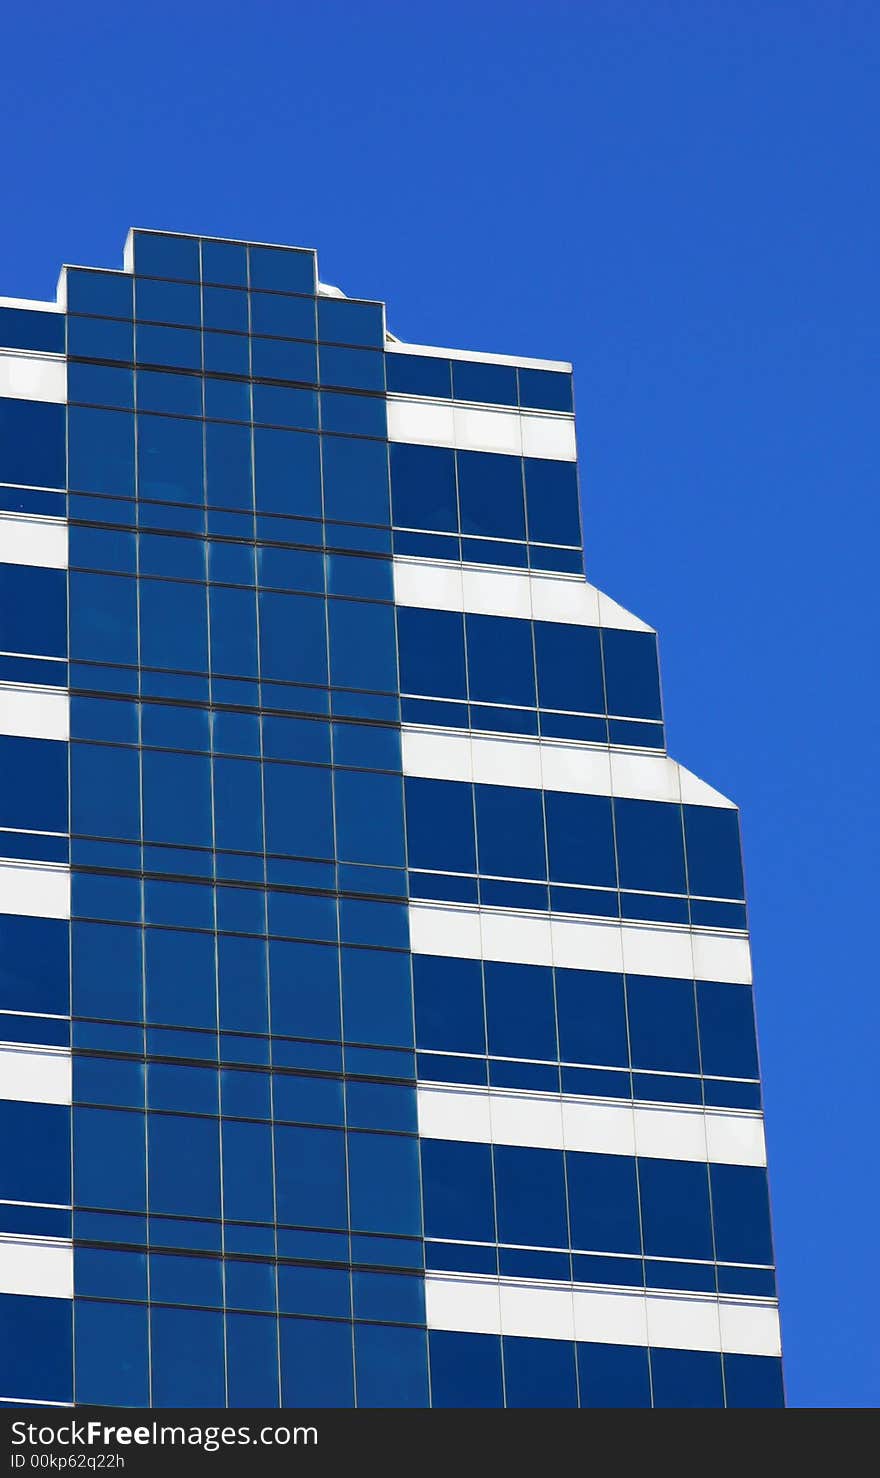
x=28 y=540
x=550 y=764
x=472 y=428
x=29 y=376
x=35 y=1074
x=518 y=937
x=544 y=1310
x=38 y=1266
x=428 y=351
x=597 y=1126
x=484 y=590
x=32 y=712
x=40 y=890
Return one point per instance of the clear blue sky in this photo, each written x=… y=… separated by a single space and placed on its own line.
x=681 y=198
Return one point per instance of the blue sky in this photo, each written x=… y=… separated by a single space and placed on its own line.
x=681 y=198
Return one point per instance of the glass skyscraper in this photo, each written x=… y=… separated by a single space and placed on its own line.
x=376 y=1000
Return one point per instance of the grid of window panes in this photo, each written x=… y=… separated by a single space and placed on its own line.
x=253 y=1210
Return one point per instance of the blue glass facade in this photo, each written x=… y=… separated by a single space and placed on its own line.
x=376 y=1000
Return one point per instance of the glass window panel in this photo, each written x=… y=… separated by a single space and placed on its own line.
x=170 y=459
x=632 y=682
x=32 y=445
x=159 y=255
x=355 y=479
x=180 y=347
x=569 y=661
x=530 y=1192
x=490 y=491
x=440 y=825
x=520 y=1011
x=650 y=845
x=580 y=839
x=552 y=501
x=510 y=831
x=423 y=487
x=225 y=262
x=283 y=269
x=418 y=374
x=286 y=318
x=501 y=666
x=675 y=1209
x=377 y=997
x=362 y=645
x=106 y=293
x=284 y=359
x=287 y=472
x=662 y=1024
x=304 y=661
x=99 y=338
x=545 y=390
x=342 y=321
x=492 y=383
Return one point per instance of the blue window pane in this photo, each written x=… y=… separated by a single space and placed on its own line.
x=316 y=1364
x=675 y=1209
x=713 y=851
x=251 y=1361
x=355 y=480
x=291 y=569
x=539 y=1372
x=103 y=618
x=287 y=470
x=417 y=374
x=392 y=1366
x=34 y=1152
x=169 y=459
x=247 y=1171
x=287 y=318
x=103 y=1137
x=22 y=328
x=299 y=816
x=112 y=1354
x=592 y=1017
x=448 y=1004
x=501 y=667
x=377 y=997
x=33 y=964
x=184 y=1166
x=158 y=255
x=173 y=625
x=283 y=269
x=727 y=1030
x=357 y=415
x=99 y=338
x=546 y=390
x=362 y=645
x=173 y=956
x=530 y=1189
x=465 y=1370
x=233 y=632
x=490 y=491
x=168 y=393
x=303 y=660
x=650 y=845
x=494 y=384
x=33 y=784
x=225 y=308
x=108 y=293
x=552 y=502
x=105 y=790
x=284 y=359
x=457 y=1190
x=225 y=354
x=383 y=1176
x=33 y=610
x=342 y=321
x=106 y=971
x=686 y=1378
x=580 y=839
x=310 y=1175
x=180 y=348
x=101 y=385
x=322 y=1291
x=613 y=1376
x=520 y=1013
x=510 y=831
x=632 y=681
x=662 y=1024
x=168 y=302
x=177 y=798
x=369 y=818
x=741 y=1212
x=423 y=492
x=603 y=1203
x=440 y=825
x=228 y=463
x=238 y=805
x=753 y=1381
x=36 y=1361
x=187 y=1357
x=569 y=667
x=361 y=369
x=32 y=443
x=100 y=452
x=431 y=645
x=282 y=405
x=225 y=261
x=305 y=989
